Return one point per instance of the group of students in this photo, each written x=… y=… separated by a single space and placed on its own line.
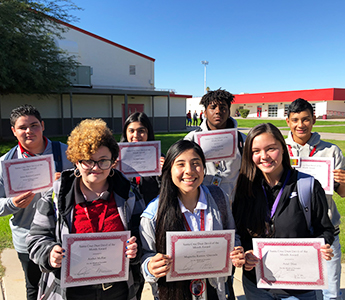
x=259 y=184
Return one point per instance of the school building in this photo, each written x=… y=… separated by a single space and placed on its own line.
x=327 y=103
x=111 y=82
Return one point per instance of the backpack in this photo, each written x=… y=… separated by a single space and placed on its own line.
x=56 y=153
x=305 y=189
x=239 y=140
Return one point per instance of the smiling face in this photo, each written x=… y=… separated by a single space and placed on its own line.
x=301 y=125
x=217 y=114
x=95 y=176
x=136 y=132
x=29 y=132
x=267 y=155
x=187 y=173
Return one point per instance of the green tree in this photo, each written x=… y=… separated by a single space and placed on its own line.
x=30 y=60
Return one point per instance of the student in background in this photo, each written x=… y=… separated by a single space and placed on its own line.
x=266 y=205
x=27 y=126
x=138 y=128
x=303 y=143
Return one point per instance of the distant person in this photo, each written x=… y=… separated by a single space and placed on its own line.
x=302 y=142
x=195 y=119
x=27 y=126
x=92 y=198
x=217 y=116
x=201 y=116
x=189 y=118
x=138 y=128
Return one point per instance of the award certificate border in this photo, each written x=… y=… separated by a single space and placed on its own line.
x=270 y=284
x=155 y=144
x=233 y=132
x=12 y=162
x=226 y=271
x=68 y=280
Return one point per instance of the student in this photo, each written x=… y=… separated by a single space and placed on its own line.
x=217 y=114
x=303 y=143
x=266 y=205
x=75 y=204
x=183 y=204
x=195 y=119
x=189 y=118
x=27 y=126
x=138 y=128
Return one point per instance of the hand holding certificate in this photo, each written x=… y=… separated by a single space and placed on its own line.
x=290 y=264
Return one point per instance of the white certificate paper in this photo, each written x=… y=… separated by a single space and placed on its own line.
x=218 y=144
x=140 y=159
x=94 y=258
x=290 y=264
x=321 y=168
x=200 y=254
x=34 y=174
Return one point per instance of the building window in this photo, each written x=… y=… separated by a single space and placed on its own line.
x=314 y=107
x=273 y=110
x=286 y=107
x=132 y=70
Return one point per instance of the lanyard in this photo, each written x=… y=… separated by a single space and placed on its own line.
x=101 y=217
x=310 y=155
x=202 y=221
x=276 y=201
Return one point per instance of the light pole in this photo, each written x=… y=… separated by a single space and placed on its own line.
x=205 y=63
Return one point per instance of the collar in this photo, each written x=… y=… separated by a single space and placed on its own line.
x=26 y=153
x=80 y=197
x=201 y=205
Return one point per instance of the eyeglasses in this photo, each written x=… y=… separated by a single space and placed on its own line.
x=103 y=164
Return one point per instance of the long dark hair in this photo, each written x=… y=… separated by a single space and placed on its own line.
x=170 y=218
x=144 y=120
x=250 y=207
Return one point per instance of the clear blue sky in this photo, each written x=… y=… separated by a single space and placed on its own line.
x=251 y=45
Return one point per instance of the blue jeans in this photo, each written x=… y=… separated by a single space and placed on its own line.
x=253 y=293
x=333 y=273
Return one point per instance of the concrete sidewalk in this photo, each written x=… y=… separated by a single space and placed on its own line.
x=13 y=283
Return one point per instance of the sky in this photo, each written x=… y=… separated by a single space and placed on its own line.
x=252 y=46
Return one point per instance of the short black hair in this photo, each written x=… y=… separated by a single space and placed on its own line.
x=217 y=96
x=300 y=105
x=24 y=110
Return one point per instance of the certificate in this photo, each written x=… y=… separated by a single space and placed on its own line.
x=218 y=144
x=200 y=254
x=290 y=264
x=321 y=168
x=34 y=174
x=140 y=158
x=94 y=258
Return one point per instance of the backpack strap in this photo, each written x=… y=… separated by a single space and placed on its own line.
x=218 y=196
x=10 y=153
x=57 y=156
x=305 y=188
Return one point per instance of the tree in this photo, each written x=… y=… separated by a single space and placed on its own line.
x=30 y=60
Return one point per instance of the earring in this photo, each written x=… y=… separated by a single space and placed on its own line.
x=111 y=174
x=76 y=172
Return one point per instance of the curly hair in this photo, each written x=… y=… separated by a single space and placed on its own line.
x=87 y=137
x=217 y=96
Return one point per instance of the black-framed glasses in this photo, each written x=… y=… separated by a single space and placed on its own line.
x=103 y=164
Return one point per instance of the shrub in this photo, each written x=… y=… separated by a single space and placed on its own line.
x=244 y=113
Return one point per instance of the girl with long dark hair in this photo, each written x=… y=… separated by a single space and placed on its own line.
x=267 y=206
x=183 y=200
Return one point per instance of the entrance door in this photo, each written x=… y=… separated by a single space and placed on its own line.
x=132 y=108
x=259 y=111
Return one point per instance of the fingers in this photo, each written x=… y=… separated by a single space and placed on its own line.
x=237 y=256
x=339 y=176
x=56 y=256
x=162 y=159
x=159 y=265
x=251 y=260
x=23 y=200
x=326 y=252
x=57 y=175
x=132 y=247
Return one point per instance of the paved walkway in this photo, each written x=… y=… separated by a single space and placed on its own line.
x=13 y=284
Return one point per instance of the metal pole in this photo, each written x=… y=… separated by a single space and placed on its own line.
x=205 y=63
